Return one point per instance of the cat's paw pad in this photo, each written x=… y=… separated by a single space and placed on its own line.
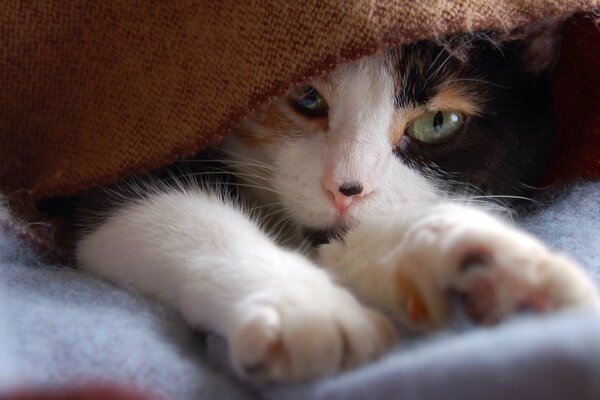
x=292 y=338
x=495 y=269
x=498 y=270
x=508 y=272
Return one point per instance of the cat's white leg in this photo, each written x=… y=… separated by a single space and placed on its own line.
x=285 y=319
x=408 y=263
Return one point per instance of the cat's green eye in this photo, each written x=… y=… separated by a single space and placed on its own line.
x=307 y=100
x=436 y=126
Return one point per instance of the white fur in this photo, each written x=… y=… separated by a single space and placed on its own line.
x=356 y=148
x=285 y=318
x=429 y=245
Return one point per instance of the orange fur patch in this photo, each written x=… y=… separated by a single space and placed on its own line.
x=414 y=303
x=250 y=135
x=455 y=98
x=263 y=127
x=277 y=121
x=400 y=121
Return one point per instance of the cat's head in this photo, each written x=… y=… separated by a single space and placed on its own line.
x=415 y=123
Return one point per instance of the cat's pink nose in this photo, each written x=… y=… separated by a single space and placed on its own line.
x=344 y=194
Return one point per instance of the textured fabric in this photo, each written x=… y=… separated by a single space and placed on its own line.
x=93 y=91
x=532 y=358
x=64 y=328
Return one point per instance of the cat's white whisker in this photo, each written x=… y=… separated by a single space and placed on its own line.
x=451 y=53
x=479 y=80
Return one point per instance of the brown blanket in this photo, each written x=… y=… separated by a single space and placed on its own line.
x=94 y=91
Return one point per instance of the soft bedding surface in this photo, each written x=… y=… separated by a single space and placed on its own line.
x=62 y=328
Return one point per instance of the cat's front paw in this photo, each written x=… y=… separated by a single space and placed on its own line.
x=298 y=333
x=409 y=263
x=496 y=269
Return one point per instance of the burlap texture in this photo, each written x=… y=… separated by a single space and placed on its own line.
x=93 y=91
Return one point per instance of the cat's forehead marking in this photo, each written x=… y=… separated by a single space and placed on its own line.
x=421 y=70
x=397 y=87
x=359 y=78
x=428 y=77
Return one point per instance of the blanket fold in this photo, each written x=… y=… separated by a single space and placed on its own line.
x=62 y=328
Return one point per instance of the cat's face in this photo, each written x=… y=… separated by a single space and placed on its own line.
x=407 y=126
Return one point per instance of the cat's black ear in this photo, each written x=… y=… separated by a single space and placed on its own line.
x=541 y=41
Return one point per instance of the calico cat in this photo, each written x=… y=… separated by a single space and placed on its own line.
x=387 y=163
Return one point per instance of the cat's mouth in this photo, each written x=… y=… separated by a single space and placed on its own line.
x=318 y=237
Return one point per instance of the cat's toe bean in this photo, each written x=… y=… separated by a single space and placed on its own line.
x=497 y=270
x=366 y=336
x=296 y=340
x=256 y=345
x=511 y=272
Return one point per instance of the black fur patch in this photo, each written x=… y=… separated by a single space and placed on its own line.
x=507 y=145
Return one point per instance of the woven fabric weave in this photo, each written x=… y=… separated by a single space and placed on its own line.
x=94 y=91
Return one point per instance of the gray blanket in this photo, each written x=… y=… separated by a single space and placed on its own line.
x=60 y=327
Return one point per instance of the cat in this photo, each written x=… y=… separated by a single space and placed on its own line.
x=385 y=165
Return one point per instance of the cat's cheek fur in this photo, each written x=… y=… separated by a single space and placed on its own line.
x=298 y=182
x=406 y=264
x=284 y=318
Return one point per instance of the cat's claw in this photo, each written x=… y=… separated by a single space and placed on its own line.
x=294 y=336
